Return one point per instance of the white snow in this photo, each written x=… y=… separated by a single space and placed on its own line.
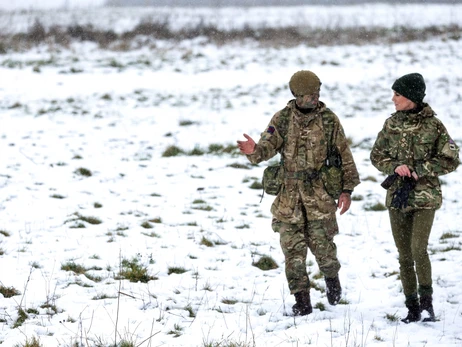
x=79 y=111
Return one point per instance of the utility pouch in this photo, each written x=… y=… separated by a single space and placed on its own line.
x=272 y=179
x=332 y=173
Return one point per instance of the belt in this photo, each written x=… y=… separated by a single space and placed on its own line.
x=305 y=175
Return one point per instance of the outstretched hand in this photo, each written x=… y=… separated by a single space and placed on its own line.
x=344 y=202
x=248 y=146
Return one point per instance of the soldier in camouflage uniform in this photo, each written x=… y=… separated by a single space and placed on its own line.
x=415 y=147
x=303 y=212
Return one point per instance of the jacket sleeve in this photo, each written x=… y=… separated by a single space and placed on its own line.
x=269 y=144
x=350 y=172
x=380 y=154
x=444 y=159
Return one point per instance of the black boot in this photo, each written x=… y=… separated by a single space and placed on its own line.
x=413 y=314
x=333 y=289
x=302 y=306
x=426 y=304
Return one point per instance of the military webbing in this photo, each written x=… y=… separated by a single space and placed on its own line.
x=327 y=123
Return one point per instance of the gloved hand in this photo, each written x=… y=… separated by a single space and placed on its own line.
x=401 y=195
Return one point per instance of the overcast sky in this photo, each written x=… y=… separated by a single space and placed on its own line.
x=47 y=4
x=53 y=4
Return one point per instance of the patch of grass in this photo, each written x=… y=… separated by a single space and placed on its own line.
x=81 y=171
x=176 y=270
x=88 y=219
x=34 y=342
x=318 y=276
x=146 y=225
x=444 y=236
x=243 y=226
x=103 y=296
x=22 y=316
x=266 y=263
x=314 y=285
x=357 y=197
x=5 y=233
x=93 y=278
x=392 y=273
x=378 y=206
x=185 y=123
x=320 y=306
x=197 y=151
x=151 y=234
x=369 y=178
x=229 y=301
x=35 y=265
x=133 y=271
x=239 y=166
x=8 y=292
x=72 y=266
x=57 y=196
x=192 y=313
x=203 y=208
x=392 y=317
x=256 y=185
x=177 y=330
x=52 y=309
x=78 y=226
x=172 y=151
x=206 y=242
x=32 y=311
x=450 y=248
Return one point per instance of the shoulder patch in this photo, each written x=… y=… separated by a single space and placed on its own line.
x=270 y=130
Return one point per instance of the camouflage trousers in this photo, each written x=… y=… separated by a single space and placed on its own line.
x=295 y=239
x=411 y=231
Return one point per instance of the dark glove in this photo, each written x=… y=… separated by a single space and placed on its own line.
x=388 y=182
x=401 y=195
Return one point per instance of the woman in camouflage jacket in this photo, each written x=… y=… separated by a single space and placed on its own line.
x=303 y=211
x=415 y=148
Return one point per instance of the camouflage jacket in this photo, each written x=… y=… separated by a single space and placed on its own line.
x=304 y=148
x=420 y=141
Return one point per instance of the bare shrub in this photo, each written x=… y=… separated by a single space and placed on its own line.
x=267 y=36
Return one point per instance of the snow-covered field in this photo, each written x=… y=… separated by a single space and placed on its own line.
x=225 y=18
x=192 y=221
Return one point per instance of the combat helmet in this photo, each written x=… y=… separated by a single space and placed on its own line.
x=304 y=82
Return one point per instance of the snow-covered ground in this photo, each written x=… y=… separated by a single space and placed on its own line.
x=192 y=220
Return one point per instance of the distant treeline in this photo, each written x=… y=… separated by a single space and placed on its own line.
x=149 y=31
x=251 y=3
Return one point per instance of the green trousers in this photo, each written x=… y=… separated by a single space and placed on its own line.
x=295 y=239
x=411 y=231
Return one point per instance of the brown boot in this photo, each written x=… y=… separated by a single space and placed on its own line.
x=333 y=290
x=426 y=304
x=302 y=305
